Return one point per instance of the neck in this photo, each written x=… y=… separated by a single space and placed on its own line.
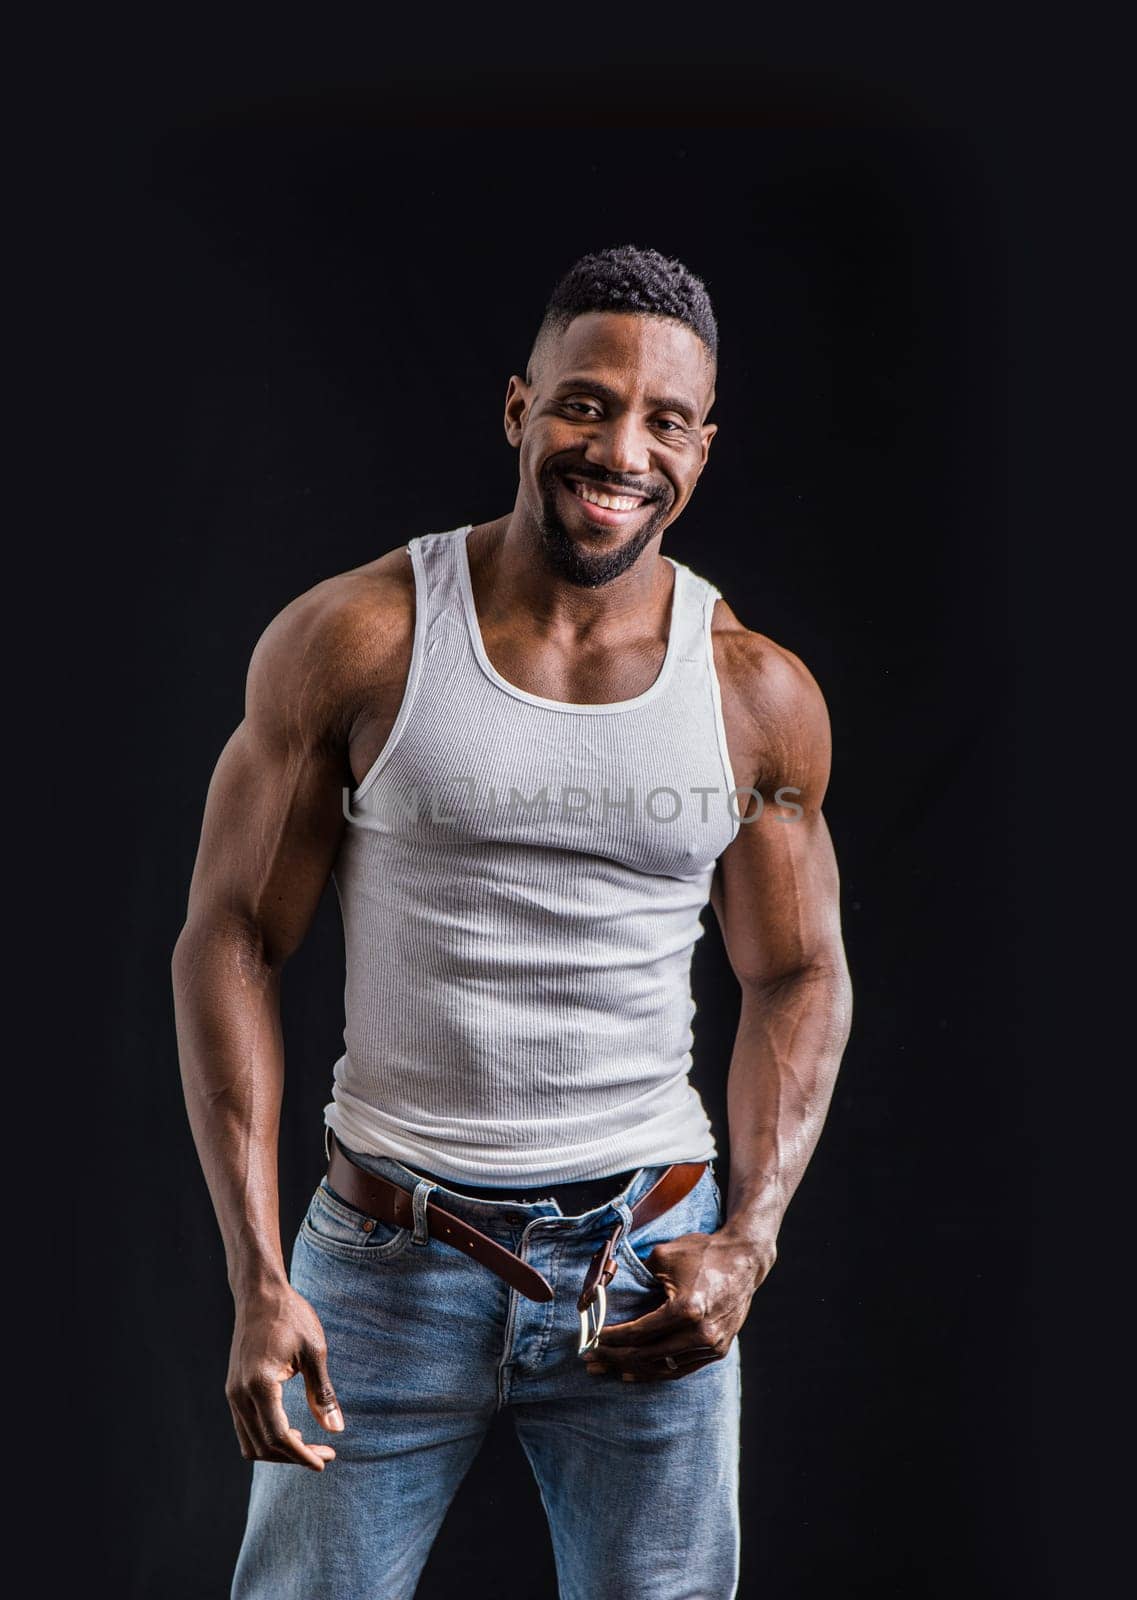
x=512 y=577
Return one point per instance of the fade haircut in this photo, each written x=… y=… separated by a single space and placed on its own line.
x=628 y=279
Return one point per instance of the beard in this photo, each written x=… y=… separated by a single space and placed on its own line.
x=574 y=562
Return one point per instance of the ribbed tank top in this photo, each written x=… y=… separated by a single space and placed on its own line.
x=522 y=882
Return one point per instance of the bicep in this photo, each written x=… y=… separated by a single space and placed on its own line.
x=775 y=891
x=273 y=817
x=271 y=830
x=776 y=896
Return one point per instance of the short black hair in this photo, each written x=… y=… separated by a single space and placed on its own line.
x=626 y=278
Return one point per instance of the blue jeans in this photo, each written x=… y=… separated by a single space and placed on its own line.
x=639 y=1481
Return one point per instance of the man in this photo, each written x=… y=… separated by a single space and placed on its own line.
x=529 y=752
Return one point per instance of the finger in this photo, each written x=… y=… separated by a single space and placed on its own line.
x=324 y=1451
x=279 y=1440
x=282 y=1451
x=660 y=1372
x=665 y=1374
x=292 y=1450
x=322 y=1402
x=251 y=1425
x=652 y=1361
x=243 y=1438
x=674 y=1344
x=653 y=1324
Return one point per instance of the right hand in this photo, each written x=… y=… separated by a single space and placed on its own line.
x=278 y=1335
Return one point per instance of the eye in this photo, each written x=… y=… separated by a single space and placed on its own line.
x=676 y=427
x=581 y=405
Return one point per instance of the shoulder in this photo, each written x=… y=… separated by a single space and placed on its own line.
x=772 y=704
x=761 y=674
x=326 y=649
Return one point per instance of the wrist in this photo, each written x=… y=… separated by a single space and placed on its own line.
x=758 y=1231
x=257 y=1278
x=755 y=1219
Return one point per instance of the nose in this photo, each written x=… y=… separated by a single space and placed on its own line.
x=619 y=445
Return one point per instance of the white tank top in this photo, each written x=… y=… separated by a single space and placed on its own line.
x=522 y=882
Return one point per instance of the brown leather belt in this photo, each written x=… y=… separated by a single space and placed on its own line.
x=387 y=1202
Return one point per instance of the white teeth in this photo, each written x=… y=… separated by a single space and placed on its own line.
x=610 y=502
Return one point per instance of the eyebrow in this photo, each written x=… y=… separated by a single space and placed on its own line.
x=656 y=402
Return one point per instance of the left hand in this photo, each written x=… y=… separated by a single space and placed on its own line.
x=709 y=1280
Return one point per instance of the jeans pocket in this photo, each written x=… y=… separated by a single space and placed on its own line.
x=701 y=1211
x=331 y=1225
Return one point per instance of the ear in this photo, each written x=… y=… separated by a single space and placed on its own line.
x=517 y=397
x=708 y=432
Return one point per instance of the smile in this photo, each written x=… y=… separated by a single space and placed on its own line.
x=607 y=507
x=612 y=502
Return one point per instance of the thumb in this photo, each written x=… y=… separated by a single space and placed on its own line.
x=322 y=1400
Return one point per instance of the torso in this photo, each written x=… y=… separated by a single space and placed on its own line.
x=383 y=594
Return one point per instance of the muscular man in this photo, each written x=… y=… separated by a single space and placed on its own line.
x=528 y=752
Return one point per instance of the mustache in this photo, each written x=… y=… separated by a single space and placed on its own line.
x=607 y=480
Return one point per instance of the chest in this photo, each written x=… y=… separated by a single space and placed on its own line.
x=574 y=674
x=644 y=786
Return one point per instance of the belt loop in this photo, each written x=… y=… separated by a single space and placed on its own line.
x=423 y=1189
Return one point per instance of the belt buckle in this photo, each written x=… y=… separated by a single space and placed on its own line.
x=594 y=1296
x=596 y=1312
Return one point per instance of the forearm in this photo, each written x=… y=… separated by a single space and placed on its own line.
x=787 y=1052
x=227 y=1010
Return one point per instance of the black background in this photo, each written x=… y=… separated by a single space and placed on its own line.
x=318 y=284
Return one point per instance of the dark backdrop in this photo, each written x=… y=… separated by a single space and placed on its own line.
x=319 y=312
